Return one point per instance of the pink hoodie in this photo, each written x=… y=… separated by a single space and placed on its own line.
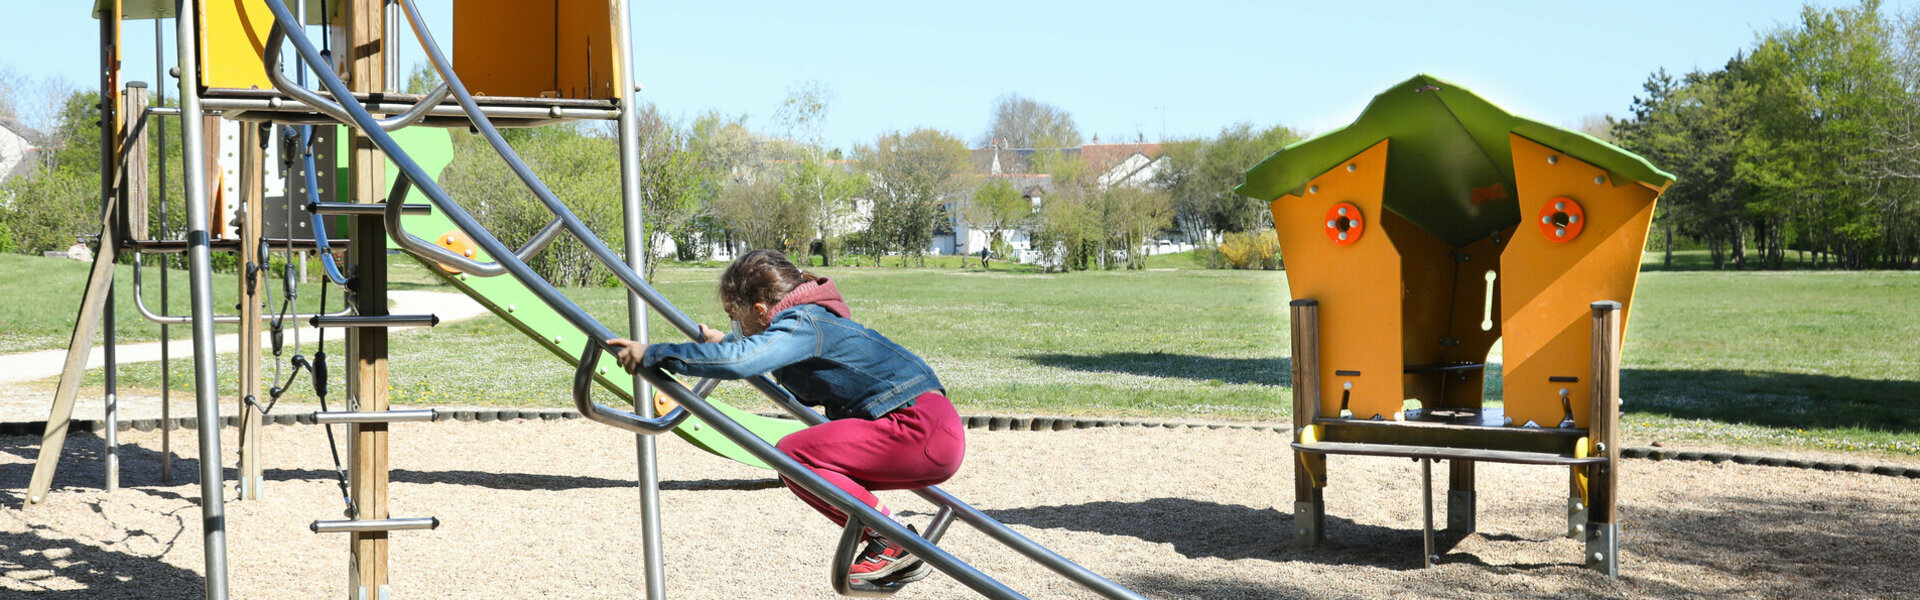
x=819 y=291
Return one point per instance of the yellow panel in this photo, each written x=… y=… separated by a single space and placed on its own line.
x=233 y=37
x=1549 y=286
x=1357 y=285
x=535 y=48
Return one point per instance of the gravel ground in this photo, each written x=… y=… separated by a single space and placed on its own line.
x=547 y=509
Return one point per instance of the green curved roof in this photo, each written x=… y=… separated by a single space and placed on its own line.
x=1447 y=142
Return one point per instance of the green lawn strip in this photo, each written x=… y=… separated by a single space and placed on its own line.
x=41 y=296
x=1776 y=360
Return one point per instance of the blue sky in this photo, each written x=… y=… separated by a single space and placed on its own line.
x=1157 y=69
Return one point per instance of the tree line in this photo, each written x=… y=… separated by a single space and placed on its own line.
x=1806 y=143
x=710 y=180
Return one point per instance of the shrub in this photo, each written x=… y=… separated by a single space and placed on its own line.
x=1252 y=250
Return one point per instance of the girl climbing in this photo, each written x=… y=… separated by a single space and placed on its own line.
x=892 y=426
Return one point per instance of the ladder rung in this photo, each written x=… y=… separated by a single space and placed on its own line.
x=381 y=416
x=363 y=208
x=376 y=321
x=359 y=526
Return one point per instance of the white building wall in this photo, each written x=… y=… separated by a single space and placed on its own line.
x=15 y=153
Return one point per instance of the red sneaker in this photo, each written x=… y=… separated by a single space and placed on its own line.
x=880 y=559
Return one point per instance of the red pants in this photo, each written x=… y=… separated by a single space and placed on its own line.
x=910 y=448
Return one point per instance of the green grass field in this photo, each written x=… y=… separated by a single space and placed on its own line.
x=41 y=296
x=1820 y=360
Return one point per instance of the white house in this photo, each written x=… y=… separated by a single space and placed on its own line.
x=17 y=152
x=1116 y=165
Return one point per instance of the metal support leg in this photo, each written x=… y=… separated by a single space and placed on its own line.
x=1460 y=512
x=1310 y=521
x=1603 y=548
x=112 y=454
x=1576 y=518
x=646 y=446
x=1460 y=498
x=1427 y=558
x=200 y=270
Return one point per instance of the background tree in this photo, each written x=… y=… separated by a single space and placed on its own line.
x=1069 y=231
x=1022 y=122
x=911 y=175
x=1200 y=174
x=762 y=213
x=60 y=200
x=581 y=170
x=997 y=207
x=1133 y=215
x=1796 y=145
x=814 y=178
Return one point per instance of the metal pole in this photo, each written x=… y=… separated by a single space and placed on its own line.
x=652 y=549
x=1426 y=509
x=213 y=516
x=166 y=359
x=110 y=121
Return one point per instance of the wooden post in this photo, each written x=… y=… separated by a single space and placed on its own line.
x=92 y=303
x=1309 y=470
x=367 y=346
x=1603 y=541
x=252 y=279
x=134 y=192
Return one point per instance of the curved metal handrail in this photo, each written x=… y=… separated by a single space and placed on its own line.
x=596 y=333
x=424 y=249
x=140 y=304
x=592 y=242
x=311 y=187
x=301 y=94
x=583 y=400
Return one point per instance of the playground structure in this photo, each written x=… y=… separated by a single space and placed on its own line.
x=537 y=63
x=1415 y=238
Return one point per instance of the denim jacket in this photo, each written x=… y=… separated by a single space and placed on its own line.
x=824 y=359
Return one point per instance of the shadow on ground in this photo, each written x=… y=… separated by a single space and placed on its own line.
x=1255 y=371
x=54 y=564
x=1768 y=548
x=1794 y=400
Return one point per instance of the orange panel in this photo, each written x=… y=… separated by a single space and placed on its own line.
x=1357 y=285
x=1550 y=285
x=585 y=48
x=1442 y=309
x=535 y=48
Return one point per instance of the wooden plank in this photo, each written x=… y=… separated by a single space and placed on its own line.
x=92 y=302
x=365 y=23
x=134 y=191
x=1305 y=321
x=1309 y=470
x=1513 y=439
x=216 y=192
x=1444 y=453
x=252 y=202
x=1602 y=486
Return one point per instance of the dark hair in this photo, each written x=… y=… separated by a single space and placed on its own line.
x=760 y=276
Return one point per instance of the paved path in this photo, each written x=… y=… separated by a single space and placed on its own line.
x=30 y=366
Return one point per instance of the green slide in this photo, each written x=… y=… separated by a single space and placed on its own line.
x=514 y=303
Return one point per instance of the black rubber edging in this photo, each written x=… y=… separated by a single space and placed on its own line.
x=990 y=423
